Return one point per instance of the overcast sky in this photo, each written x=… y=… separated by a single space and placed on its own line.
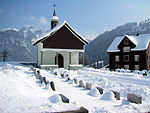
x=88 y=17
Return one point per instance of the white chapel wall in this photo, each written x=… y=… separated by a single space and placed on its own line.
x=75 y=58
x=66 y=58
x=39 y=48
x=49 y=57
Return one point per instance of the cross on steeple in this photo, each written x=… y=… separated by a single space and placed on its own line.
x=54 y=5
x=54 y=20
x=54 y=14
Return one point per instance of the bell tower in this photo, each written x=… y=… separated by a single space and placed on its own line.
x=55 y=19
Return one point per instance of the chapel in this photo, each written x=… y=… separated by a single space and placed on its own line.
x=61 y=47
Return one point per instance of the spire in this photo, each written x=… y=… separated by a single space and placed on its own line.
x=54 y=14
x=54 y=19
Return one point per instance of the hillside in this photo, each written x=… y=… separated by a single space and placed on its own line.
x=96 y=49
x=19 y=42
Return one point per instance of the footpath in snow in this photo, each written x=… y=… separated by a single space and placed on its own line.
x=21 y=91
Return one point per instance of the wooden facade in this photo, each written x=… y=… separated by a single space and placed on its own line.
x=63 y=39
x=60 y=47
x=128 y=58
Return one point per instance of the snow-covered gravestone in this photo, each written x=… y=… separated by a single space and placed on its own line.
x=52 y=85
x=38 y=73
x=94 y=92
x=55 y=98
x=88 y=85
x=32 y=68
x=41 y=79
x=82 y=84
x=134 y=98
x=47 y=86
x=75 y=80
x=55 y=73
x=44 y=80
x=64 y=98
x=117 y=95
x=100 y=90
x=35 y=72
x=62 y=75
x=108 y=96
x=145 y=74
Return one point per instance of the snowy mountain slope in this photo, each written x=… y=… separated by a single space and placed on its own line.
x=96 y=49
x=19 y=42
x=22 y=92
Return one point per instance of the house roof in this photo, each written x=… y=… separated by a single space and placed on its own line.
x=55 y=29
x=141 y=42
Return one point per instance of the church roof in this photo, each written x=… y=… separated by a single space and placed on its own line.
x=141 y=42
x=55 y=29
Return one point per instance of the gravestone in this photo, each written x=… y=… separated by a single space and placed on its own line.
x=75 y=80
x=52 y=85
x=100 y=90
x=38 y=73
x=55 y=73
x=32 y=68
x=82 y=84
x=88 y=85
x=134 y=98
x=47 y=81
x=44 y=79
x=35 y=72
x=80 y=110
x=62 y=75
x=144 y=74
x=64 y=98
x=67 y=79
x=117 y=95
x=41 y=79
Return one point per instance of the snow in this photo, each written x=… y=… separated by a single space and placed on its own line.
x=108 y=96
x=21 y=91
x=140 y=41
x=55 y=29
x=55 y=98
x=94 y=92
x=54 y=18
x=9 y=29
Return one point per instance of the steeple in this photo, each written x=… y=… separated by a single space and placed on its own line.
x=54 y=20
x=54 y=14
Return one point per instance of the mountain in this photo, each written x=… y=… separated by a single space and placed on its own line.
x=96 y=49
x=19 y=42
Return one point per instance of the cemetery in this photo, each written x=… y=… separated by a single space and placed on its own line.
x=65 y=91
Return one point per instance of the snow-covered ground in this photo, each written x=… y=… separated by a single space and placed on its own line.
x=21 y=91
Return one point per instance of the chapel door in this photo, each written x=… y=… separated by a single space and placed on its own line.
x=60 y=61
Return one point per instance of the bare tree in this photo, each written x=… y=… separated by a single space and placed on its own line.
x=4 y=54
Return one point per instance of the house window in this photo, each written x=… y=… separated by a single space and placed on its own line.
x=126 y=57
x=126 y=49
x=117 y=58
x=136 y=67
x=126 y=41
x=126 y=66
x=136 y=57
x=116 y=66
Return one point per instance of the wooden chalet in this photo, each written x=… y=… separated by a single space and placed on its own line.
x=60 y=47
x=130 y=52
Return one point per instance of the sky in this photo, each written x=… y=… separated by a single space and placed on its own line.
x=88 y=17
